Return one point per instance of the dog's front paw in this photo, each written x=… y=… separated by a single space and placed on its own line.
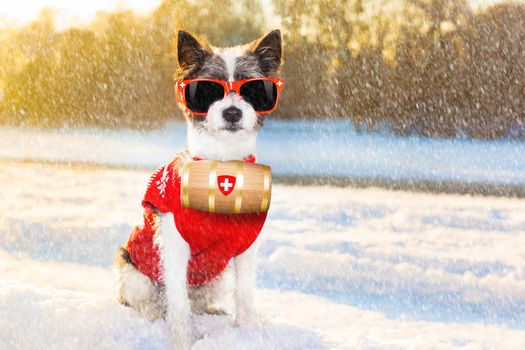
x=181 y=339
x=181 y=335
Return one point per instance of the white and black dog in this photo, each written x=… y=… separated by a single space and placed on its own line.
x=227 y=131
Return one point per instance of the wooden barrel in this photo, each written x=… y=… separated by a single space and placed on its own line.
x=230 y=187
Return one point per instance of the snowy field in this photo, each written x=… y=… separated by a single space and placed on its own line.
x=340 y=268
x=318 y=149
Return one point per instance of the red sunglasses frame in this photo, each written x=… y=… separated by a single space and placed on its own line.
x=235 y=86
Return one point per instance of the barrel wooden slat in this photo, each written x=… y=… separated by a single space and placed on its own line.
x=200 y=188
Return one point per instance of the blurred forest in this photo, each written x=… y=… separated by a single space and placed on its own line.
x=412 y=67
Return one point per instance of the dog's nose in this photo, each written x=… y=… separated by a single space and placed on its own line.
x=232 y=114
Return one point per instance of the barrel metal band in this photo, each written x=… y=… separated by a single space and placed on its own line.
x=212 y=184
x=184 y=194
x=239 y=187
x=266 y=191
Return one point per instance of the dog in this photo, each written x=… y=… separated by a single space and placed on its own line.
x=162 y=270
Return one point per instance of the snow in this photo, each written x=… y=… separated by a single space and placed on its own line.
x=339 y=268
x=323 y=149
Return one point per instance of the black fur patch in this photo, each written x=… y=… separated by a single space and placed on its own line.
x=124 y=257
x=213 y=67
x=247 y=66
x=191 y=53
x=268 y=51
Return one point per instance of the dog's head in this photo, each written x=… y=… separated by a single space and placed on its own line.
x=229 y=128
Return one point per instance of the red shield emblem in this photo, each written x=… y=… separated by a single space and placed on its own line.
x=226 y=184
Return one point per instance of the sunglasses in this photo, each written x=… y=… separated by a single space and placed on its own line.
x=199 y=94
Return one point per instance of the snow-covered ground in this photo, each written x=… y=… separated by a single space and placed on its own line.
x=339 y=268
x=291 y=148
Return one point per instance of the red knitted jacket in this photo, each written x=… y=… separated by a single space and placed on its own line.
x=214 y=239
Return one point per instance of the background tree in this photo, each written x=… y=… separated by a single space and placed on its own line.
x=425 y=67
x=428 y=76
x=496 y=71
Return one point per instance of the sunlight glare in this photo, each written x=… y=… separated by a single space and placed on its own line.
x=68 y=12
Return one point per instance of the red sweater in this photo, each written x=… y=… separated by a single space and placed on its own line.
x=214 y=239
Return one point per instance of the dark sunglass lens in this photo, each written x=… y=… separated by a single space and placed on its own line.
x=200 y=95
x=261 y=94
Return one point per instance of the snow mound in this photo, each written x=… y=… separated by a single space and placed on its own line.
x=61 y=319
x=65 y=319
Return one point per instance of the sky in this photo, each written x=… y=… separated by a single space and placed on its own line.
x=82 y=11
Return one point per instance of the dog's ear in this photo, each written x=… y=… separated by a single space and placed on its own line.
x=268 y=50
x=191 y=51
